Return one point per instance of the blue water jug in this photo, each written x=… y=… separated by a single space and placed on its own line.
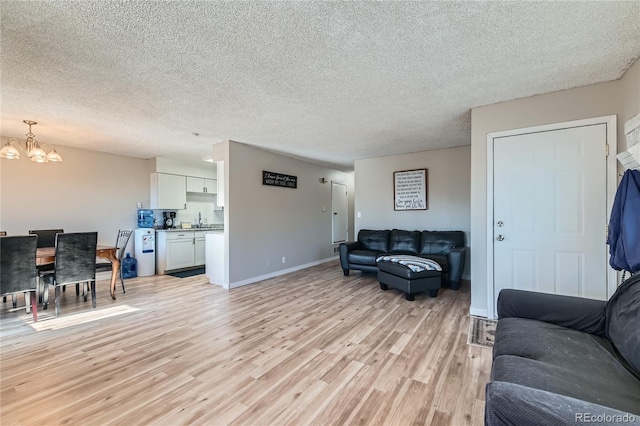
x=145 y=218
x=129 y=267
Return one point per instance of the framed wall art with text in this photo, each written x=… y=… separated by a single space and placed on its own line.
x=410 y=189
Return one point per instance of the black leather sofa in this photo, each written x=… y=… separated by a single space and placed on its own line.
x=560 y=360
x=445 y=247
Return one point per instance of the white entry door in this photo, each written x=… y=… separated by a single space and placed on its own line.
x=550 y=212
x=340 y=209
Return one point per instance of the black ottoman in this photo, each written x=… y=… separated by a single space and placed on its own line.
x=392 y=274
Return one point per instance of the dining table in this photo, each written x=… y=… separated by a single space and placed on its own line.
x=47 y=255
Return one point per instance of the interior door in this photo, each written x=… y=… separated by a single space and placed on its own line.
x=550 y=212
x=339 y=207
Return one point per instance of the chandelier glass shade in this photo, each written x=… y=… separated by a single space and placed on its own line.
x=31 y=146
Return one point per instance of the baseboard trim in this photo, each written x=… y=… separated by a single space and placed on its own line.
x=478 y=312
x=278 y=273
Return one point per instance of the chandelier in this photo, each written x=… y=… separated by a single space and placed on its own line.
x=31 y=147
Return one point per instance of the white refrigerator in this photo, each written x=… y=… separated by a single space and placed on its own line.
x=144 y=242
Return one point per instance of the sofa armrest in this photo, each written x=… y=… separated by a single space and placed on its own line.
x=511 y=404
x=344 y=249
x=587 y=315
x=456 y=263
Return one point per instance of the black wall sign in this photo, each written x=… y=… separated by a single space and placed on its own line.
x=278 y=179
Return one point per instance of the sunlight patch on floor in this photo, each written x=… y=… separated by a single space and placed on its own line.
x=46 y=322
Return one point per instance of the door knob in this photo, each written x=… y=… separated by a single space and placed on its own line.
x=500 y=237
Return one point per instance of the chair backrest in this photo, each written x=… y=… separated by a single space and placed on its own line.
x=46 y=237
x=75 y=257
x=17 y=263
x=122 y=241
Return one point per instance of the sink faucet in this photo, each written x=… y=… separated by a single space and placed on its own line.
x=199 y=220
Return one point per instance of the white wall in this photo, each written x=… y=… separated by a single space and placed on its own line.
x=266 y=223
x=88 y=191
x=620 y=98
x=202 y=169
x=630 y=93
x=449 y=192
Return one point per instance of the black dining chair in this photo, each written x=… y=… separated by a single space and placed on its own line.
x=46 y=237
x=18 y=269
x=121 y=244
x=75 y=264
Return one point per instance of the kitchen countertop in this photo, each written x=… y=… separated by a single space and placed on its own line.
x=207 y=229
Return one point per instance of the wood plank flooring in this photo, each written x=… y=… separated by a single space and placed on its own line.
x=308 y=348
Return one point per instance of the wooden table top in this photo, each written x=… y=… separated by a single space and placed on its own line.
x=45 y=255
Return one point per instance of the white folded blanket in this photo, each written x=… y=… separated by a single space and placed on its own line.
x=416 y=264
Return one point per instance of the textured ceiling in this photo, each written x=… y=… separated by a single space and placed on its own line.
x=327 y=81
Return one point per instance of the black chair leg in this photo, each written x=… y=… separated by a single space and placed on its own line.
x=93 y=293
x=122 y=281
x=78 y=290
x=4 y=299
x=14 y=300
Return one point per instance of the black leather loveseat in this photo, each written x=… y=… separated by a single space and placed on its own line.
x=445 y=247
x=560 y=360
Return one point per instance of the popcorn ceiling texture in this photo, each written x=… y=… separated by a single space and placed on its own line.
x=327 y=81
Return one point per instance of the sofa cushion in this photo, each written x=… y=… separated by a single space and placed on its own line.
x=405 y=242
x=363 y=257
x=440 y=242
x=563 y=361
x=374 y=240
x=623 y=322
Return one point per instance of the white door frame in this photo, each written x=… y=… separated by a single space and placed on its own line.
x=346 y=188
x=612 y=182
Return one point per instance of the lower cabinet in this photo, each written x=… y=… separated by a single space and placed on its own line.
x=199 y=248
x=179 y=249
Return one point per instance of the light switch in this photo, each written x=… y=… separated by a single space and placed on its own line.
x=359 y=214
x=324 y=209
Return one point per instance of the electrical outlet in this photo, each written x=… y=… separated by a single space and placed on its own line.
x=359 y=214
x=139 y=205
x=284 y=259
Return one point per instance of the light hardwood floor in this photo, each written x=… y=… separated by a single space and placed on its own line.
x=310 y=347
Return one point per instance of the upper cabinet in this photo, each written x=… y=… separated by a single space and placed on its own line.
x=168 y=192
x=201 y=185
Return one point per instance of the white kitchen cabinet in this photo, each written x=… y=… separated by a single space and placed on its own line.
x=174 y=251
x=201 y=185
x=199 y=248
x=179 y=249
x=180 y=253
x=168 y=192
